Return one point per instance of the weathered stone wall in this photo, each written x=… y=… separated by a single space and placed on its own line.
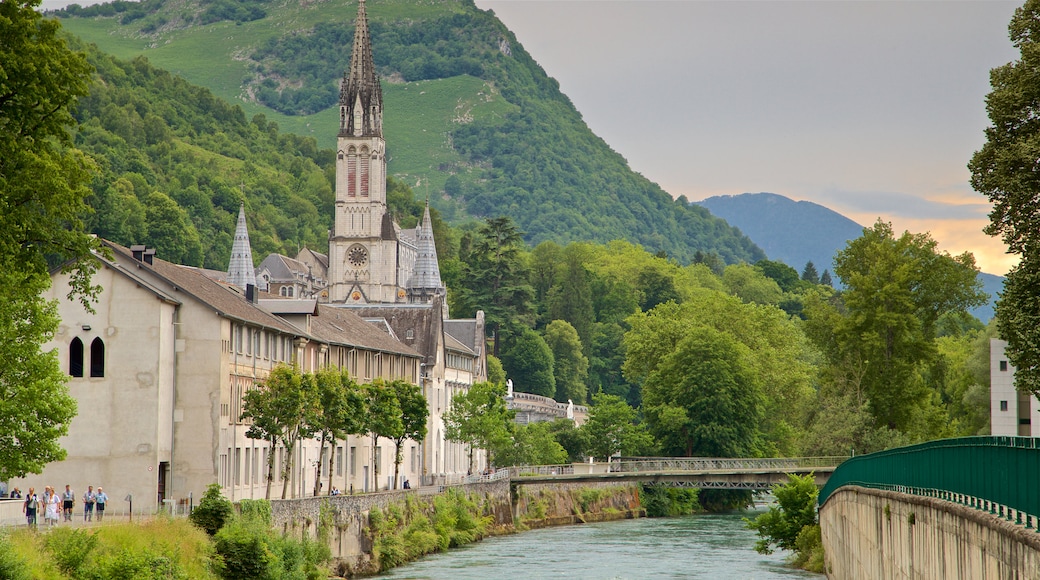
x=516 y=506
x=869 y=533
x=347 y=516
x=538 y=505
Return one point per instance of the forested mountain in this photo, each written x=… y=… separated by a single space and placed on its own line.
x=471 y=120
x=793 y=232
x=797 y=232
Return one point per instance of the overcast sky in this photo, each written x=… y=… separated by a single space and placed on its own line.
x=870 y=108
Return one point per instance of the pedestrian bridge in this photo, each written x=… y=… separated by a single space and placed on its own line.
x=699 y=472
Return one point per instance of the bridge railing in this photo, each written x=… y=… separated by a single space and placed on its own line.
x=997 y=474
x=681 y=464
x=642 y=464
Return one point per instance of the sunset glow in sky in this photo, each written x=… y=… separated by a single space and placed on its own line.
x=871 y=108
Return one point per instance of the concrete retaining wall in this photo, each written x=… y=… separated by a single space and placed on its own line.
x=537 y=505
x=869 y=533
x=348 y=516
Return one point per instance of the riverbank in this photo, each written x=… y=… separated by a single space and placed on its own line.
x=372 y=533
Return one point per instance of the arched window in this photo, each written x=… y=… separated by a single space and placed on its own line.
x=290 y=292
x=363 y=171
x=351 y=172
x=76 y=358
x=97 y=358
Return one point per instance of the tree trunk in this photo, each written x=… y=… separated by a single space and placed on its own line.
x=317 y=474
x=375 y=463
x=332 y=452
x=270 y=469
x=397 y=460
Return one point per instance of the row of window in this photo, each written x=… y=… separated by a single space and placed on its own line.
x=97 y=357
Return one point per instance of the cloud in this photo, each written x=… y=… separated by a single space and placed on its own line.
x=901 y=204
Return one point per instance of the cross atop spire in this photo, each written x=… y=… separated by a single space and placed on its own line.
x=360 y=95
x=240 y=270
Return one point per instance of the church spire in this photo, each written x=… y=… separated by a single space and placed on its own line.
x=426 y=279
x=360 y=95
x=240 y=270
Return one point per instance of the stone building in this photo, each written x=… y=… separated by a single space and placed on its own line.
x=158 y=372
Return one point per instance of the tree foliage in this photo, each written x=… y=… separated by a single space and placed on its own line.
x=414 y=412
x=43 y=187
x=479 y=419
x=611 y=429
x=385 y=417
x=1004 y=170
x=529 y=362
x=795 y=509
x=279 y=410
x=896 y=290
x=570 y=367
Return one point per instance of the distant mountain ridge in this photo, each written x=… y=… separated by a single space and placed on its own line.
x=472 y=122
x=797 y=232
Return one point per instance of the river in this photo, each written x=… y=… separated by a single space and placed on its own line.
x=700 y=546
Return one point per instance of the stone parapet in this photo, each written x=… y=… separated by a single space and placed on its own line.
x=870 y=533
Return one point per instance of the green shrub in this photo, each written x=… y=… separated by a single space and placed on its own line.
x=12 y=566
x=665 y=502
x=808 y=548
x=213 y=512
x=70 y=548
x=242 y=553
x=256 y=509
x=134 y=565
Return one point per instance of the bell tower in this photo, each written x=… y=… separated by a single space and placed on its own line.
x=363 y=248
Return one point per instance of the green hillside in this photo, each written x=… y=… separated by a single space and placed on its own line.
x=471 y=120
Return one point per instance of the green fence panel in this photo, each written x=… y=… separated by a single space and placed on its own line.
x=1004 y=470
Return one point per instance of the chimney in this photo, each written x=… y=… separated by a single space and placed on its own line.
x=137 y=251
x=148 y=255
x=251 y=294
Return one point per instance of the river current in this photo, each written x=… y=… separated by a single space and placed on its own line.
x=700 y=546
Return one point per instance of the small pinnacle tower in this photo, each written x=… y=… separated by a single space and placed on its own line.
x=426 y=279
x=240 y=270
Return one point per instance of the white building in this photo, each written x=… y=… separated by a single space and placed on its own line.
x=1011 y=412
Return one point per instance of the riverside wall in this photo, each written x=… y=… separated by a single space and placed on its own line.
x=512 y=507
x=870 y=533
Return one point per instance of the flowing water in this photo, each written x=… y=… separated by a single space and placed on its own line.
x=701 y=546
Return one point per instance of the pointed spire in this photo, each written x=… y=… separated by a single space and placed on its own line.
x=360 y=94
x=427 y=275
x=240 y=270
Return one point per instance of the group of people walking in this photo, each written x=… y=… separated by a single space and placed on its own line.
x=50 y=504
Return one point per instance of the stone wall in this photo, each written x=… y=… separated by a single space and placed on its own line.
x=538 y=505
x=869 y=533
x=347 y=517
x=512 y=507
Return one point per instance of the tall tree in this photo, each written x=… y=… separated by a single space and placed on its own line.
x=703 y=399
x=479 y=419
x=1004 y=170
x=896 y=289
x=529 y=362
x=414 y=412
x=570 y=367
x=279 y=410
x=43 y=187
x=494 y=278
x=340 y=412
x=571 y=299
x=384 y=419
x=611 y=428
x=809 y=273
